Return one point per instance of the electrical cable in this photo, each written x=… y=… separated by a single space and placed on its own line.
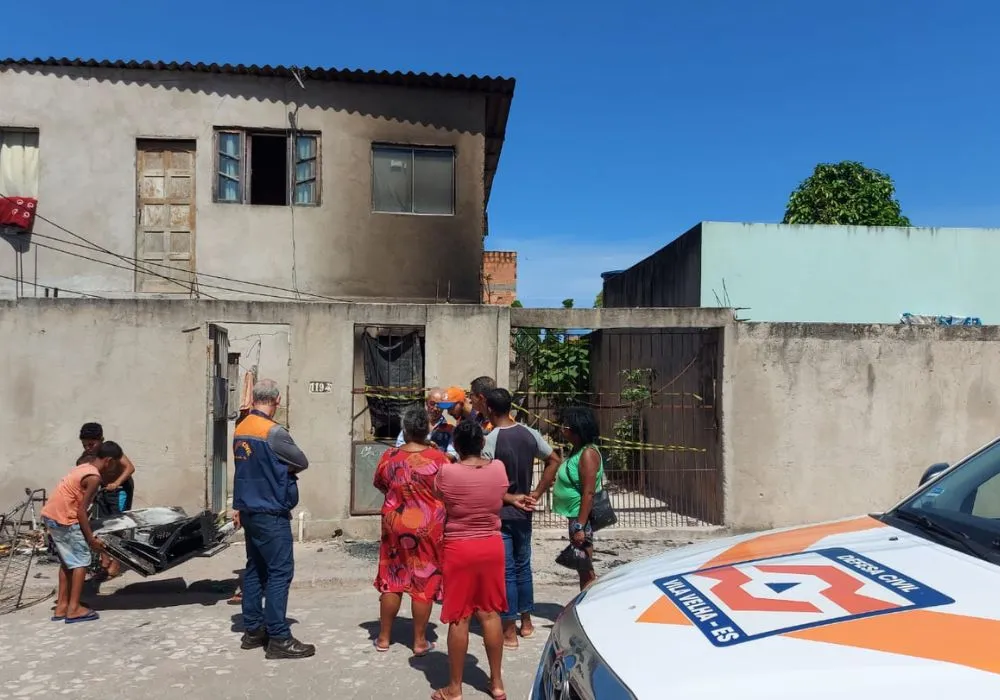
x=116 y=265
x=93 y=247
x=64 y=289
x=123 y=267
x=134 y=265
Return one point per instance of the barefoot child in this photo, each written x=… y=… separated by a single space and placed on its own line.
x=65 y=518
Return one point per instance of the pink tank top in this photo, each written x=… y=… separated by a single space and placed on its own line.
x=472 y=498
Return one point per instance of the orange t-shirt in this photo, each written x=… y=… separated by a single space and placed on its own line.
x=64 y=502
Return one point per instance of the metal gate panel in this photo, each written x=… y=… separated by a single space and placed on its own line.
x=218 y=414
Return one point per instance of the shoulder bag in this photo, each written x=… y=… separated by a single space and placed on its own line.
x=602 y=514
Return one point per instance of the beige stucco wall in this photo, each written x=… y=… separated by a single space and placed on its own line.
x=89 y=120
x=824 y=421
x=139 y=367
x=818 y=421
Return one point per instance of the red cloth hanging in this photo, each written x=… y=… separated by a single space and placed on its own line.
x=18 y=211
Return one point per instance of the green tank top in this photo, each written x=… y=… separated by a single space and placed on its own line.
x=566 y=490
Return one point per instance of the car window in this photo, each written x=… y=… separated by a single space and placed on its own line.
x=987 y=499
x=969 y=493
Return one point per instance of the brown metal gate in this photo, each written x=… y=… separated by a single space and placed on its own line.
x=655 y=394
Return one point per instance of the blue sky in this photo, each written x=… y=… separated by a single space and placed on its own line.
x=632 y=121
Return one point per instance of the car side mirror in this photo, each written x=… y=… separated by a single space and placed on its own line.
x=933 y=472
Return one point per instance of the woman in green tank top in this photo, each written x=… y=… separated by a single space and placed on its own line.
x=579 y=477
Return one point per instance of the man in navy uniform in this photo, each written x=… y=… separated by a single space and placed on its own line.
x=265 y=490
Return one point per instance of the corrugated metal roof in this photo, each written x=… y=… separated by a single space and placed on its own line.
x=499 y=91
x=428 y=80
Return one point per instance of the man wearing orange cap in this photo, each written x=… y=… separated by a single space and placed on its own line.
x=456 y=403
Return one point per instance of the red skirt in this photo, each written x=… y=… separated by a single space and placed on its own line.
x=473 y=578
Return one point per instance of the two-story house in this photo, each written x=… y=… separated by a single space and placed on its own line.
x=228 y=180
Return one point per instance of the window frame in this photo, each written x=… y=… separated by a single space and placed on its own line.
x=37 y=132
x=413 y=148
x=245 y=135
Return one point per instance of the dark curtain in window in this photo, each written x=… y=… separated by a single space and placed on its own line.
x=395 y=365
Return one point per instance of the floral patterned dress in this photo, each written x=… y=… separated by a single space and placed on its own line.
x=412 y=524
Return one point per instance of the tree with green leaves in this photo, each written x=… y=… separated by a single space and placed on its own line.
x=845 y=193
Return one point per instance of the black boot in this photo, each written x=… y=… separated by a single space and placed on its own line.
x=254 y=639
x=288 y=648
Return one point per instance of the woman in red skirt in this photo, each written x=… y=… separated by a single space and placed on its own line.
x=473 y=490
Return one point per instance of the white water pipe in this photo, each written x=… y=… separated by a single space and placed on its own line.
x=302 y=526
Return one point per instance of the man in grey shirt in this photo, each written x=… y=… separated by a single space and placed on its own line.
x=517 y=446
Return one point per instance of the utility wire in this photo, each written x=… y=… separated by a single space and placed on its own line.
x=65 y=289
x=135 y=266
x=260 y=285
x=123 y=267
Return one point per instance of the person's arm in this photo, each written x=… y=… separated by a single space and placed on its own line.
x=90 y=485
x=552 y=461
x=128 y=469
x=380 y=482
x=452 y=454
x=280 y=441
x=590 y=462
x=519 y=501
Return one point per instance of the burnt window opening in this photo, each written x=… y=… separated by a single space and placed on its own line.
x=393 y=375
x=269 y=168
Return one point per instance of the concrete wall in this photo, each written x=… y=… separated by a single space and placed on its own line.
x=824 y=421
x=818 y=421
x=139 y=367
x=89 y=121
x=849 y=274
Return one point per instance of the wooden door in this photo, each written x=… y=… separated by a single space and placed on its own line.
x=165 y=217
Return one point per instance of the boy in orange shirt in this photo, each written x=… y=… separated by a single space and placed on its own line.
x=66 y=520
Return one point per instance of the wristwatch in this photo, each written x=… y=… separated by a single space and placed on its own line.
x=575 y=527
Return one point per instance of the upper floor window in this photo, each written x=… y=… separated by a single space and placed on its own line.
x=19 y=162
x=413 y=180
x=267 y=167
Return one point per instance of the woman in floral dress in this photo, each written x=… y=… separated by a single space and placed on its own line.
x=412 y=531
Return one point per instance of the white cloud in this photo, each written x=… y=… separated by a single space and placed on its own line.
x=552 y=269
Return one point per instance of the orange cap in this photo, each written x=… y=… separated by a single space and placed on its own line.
x=452 y=396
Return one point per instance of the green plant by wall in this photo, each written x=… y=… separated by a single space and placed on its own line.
x=635 y=393
x=557 y=362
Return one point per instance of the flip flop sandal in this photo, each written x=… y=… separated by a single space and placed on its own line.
x=527 y=635
x=57 y=618
x=379 y=649
x=89 y=617
x=430 y=647
x=439 y=695
x=493 y=694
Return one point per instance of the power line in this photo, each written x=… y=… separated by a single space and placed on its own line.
x=199 y=274
x=111 y=264
x=178 y=282
x=65 y=289
x=135 y=266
